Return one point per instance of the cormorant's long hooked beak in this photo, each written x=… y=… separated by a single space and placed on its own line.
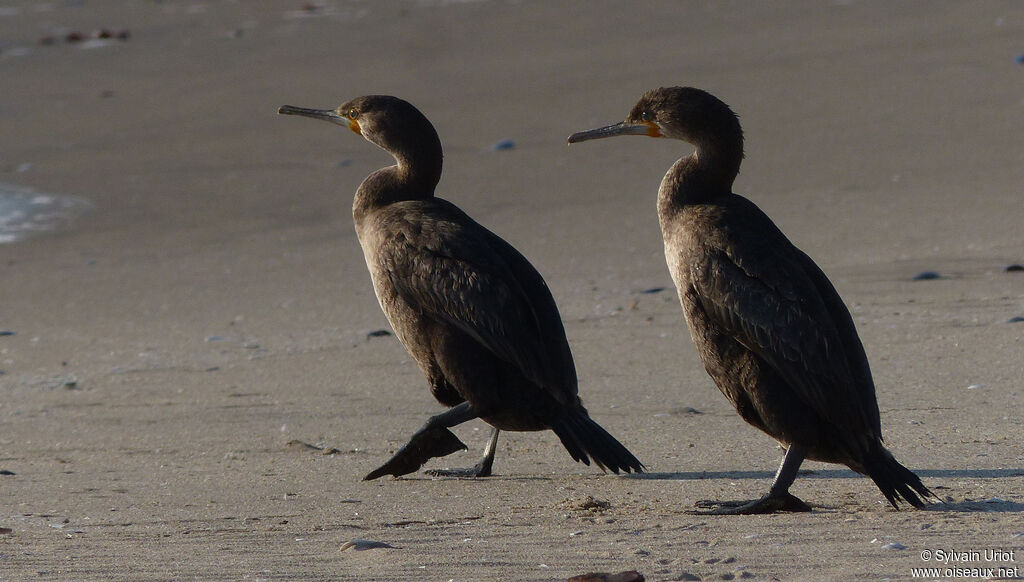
x=325 y=114
x=622 y=128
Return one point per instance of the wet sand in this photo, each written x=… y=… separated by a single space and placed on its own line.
x=183 y=356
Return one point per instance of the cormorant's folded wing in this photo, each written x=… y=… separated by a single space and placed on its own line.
x=470 y=278
x=784 y=310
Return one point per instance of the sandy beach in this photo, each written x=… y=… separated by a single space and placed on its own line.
x=189 y=386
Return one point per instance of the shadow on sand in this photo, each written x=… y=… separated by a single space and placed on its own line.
x=829 y=474
x=992 y=505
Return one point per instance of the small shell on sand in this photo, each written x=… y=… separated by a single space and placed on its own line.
x=297 y=445
x=360 y=545
x=628 y=576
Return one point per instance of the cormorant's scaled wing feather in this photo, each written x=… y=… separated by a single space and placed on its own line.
x=777 y=307
x=475 y=281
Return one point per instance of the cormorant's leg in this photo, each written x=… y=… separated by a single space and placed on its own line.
x=481 y=469
x=778 y=498
x=432 y=440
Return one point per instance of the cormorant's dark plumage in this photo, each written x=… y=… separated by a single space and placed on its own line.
x=769 y=326
x=474 y=314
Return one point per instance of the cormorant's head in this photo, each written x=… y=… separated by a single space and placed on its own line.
x=389 y=122
x=685 y=113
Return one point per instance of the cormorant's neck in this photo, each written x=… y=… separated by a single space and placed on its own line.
x=419 y=166
x=703 y=176
x=414 y=177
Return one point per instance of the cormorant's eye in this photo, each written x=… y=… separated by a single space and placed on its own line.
x=353 y=113
x=646 y=116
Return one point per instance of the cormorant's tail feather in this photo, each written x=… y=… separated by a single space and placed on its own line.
x=896 y=481
x=586 y=440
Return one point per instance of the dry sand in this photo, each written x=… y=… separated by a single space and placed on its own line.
x=214 y=305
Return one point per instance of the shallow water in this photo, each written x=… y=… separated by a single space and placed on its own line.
x=25 y=212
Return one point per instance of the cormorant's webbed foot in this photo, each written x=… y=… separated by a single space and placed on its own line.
x=481 y=469
x=777 y=499
x=768 y=504
x=424 y=445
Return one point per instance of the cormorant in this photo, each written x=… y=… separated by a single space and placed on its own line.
x=473 y=312
x=769 y=326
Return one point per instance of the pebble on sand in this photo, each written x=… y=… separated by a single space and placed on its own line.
x=628 y=576
x=1015 y=319
x=927 y=276
x=75 y=36
x=894 y=546
x=587 y=503
x=1014 y=269
x=505 y=144
x=107 y=33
